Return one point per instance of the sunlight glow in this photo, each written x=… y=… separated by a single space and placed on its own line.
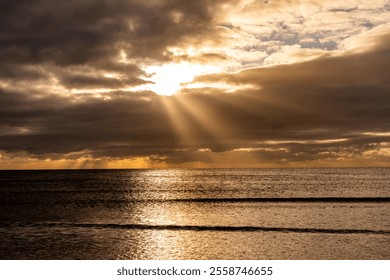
x=169 y=79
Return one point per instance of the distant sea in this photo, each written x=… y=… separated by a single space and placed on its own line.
x=195 y=214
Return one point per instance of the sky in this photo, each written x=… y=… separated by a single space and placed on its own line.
x=194 y=83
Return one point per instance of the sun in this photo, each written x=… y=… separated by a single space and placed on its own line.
x=169 y=79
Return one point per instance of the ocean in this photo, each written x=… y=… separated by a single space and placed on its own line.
x=190 y=214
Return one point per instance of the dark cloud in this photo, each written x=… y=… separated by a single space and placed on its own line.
x=78 y=32
x=127 y=124
x=345 y=10
x=205 y=58
x=346 y=92
x=11 y=72
x=90 y=81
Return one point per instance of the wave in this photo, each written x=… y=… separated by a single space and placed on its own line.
x=197 y=228
x=97 y=201
x=283 y=199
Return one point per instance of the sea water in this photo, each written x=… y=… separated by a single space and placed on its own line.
x=195 y=214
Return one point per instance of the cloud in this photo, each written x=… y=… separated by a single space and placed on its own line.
x=96 y=43
x=299 y=113
x=314 y=26
x=69 y=73
x=77 y=32
x=55 y=124
x=90 y=79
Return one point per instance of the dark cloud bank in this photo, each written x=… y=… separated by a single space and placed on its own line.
x=329 y=109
